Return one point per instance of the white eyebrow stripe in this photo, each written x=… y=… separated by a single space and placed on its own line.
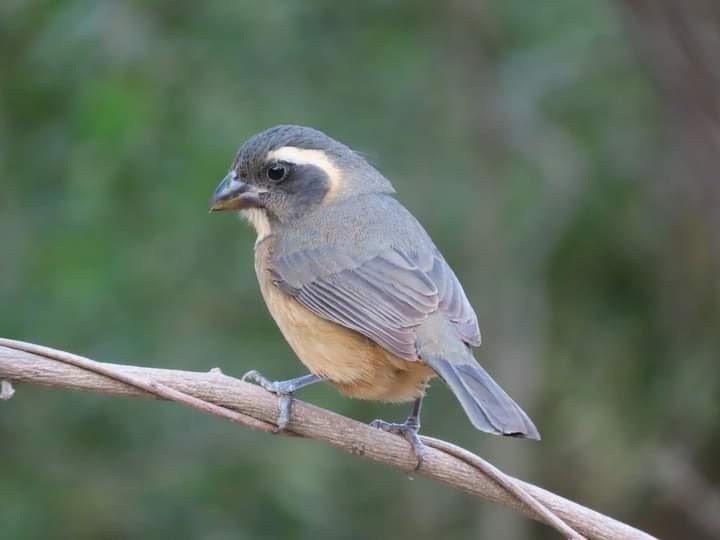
x=310 y=156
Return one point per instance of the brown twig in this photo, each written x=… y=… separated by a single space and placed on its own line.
x=251 y=406
x=149 y=385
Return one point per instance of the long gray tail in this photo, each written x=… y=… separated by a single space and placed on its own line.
x=486 y=404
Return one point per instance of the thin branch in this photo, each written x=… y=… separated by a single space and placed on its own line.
x=158 y=389
x=252 y=406
x=508 y=482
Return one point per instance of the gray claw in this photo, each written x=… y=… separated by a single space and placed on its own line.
x=284 y=404
x=278 y=388
x=282 y=389
x=255 y=376
x=408 y=430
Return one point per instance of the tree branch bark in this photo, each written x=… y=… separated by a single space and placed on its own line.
x=252 y=406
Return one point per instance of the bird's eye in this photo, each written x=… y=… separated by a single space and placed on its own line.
x=276 y=173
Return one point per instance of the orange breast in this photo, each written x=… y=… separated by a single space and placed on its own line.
x=353 y=363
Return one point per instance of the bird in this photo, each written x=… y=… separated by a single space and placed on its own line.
x=356 y=285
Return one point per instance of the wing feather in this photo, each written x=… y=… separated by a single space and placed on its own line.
x=384 y=297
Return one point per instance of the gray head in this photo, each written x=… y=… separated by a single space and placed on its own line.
x=288 y=171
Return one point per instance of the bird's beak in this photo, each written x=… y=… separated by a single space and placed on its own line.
x=234 y=194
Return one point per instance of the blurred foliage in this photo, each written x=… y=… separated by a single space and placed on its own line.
x=529 y=141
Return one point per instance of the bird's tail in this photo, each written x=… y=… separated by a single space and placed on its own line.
x=486 y=404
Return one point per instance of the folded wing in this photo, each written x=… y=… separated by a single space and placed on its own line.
x=385 y=296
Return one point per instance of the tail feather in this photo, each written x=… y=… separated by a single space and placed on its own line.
x=486 y=404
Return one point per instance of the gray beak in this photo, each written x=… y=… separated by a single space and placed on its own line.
x=234 y=194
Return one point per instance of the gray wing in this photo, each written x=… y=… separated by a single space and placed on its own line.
x=384 y=297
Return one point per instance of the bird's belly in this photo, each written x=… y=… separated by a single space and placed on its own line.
x=353 y=363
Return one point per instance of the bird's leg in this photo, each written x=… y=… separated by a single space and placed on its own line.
x=283 y=389
x=409 y=429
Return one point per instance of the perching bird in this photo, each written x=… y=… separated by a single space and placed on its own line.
x=356 y=285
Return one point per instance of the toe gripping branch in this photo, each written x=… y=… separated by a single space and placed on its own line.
x=283 y=389
x=410 y=430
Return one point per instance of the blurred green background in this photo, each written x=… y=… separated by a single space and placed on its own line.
x=564 y=155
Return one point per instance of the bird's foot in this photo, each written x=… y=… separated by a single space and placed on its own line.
x=410 y=430
x=282 y=389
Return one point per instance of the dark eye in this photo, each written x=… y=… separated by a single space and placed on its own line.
x=276 y=173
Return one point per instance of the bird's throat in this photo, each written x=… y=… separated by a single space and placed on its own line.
x=259 y=219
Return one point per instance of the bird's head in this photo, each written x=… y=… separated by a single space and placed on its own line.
x=287 y=171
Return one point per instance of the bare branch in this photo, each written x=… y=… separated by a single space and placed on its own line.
x=252 y=406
